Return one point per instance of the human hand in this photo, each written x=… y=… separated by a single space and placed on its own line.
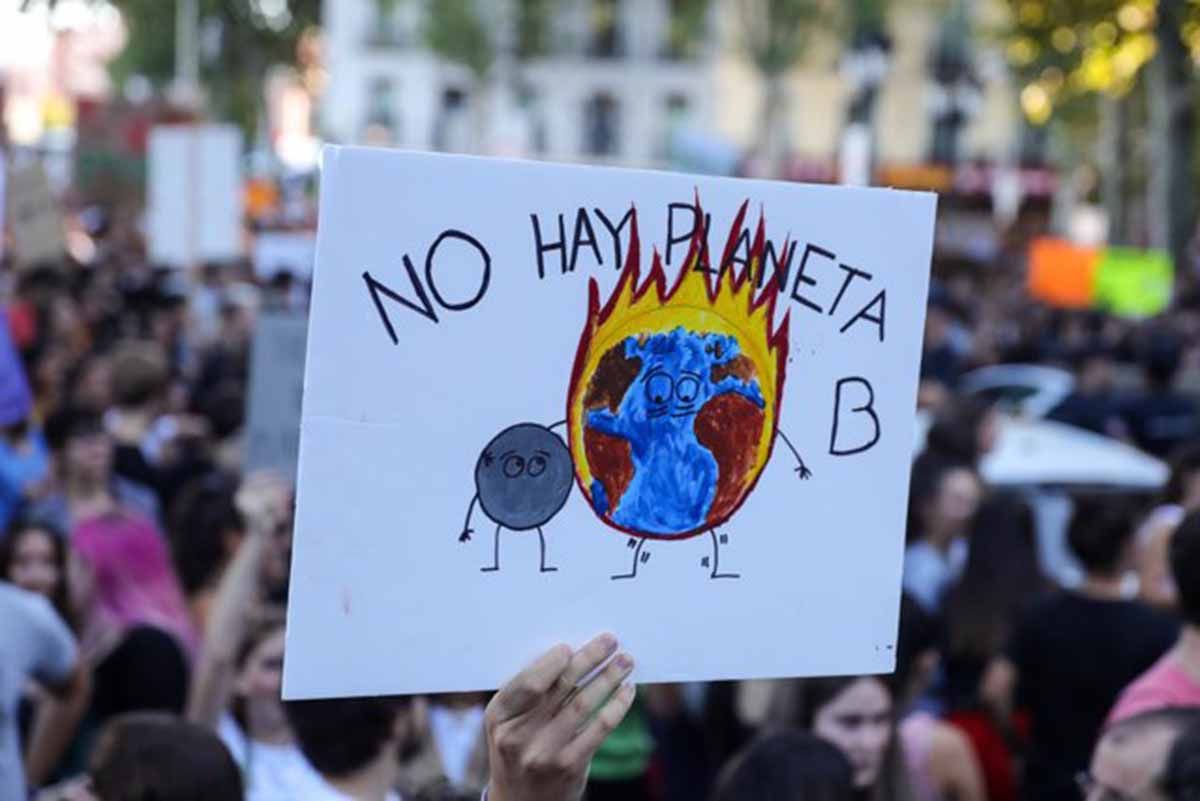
x=263 y=499
x=466 y=535
x=543 y=726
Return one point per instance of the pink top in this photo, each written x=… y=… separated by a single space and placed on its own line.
x=916 y=735
x=1165 y=684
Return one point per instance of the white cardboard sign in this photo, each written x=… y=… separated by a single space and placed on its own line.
x=525 y=424
x=194 y=194
x=35 y=218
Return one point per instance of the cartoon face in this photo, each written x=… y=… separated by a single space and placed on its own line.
x=523 y=476
x=680 y=372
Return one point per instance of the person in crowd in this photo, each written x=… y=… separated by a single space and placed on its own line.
x=238 y=679
x=858 y=715
x=83 y=485
x=943 y=497
x=941 y=762
x=38 y=646
x=1175 y=679
x=1162 y=418
x=543 y=727
x=1180 y=496
x=1001 y=581
x=24 y=468
x=1182 y=778
x=142 y=756
x=943 y=358
x=787 y=766
x=1131 y=758
x=135 y=631
x=1092 y=403
x=963 y=431
x=1075 y=650
x=206 y=531
x=451 y=760
x=33 y=556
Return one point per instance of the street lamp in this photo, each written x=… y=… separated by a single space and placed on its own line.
x=955 y=94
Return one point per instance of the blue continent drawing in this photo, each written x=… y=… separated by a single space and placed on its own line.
x=675 y=477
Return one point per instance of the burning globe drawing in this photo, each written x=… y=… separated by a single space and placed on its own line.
x=673 y=403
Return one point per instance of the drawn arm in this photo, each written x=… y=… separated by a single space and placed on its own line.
x=749 y=391
x=467 y=531
x=803 y=470
x=553 y=426
x=606 y=422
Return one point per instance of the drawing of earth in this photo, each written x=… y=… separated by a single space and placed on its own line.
x=672 y=423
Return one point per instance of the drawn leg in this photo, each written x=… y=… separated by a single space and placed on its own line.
x=637 y=551
x=542 y=545
x=495 y=554
x=716 y=558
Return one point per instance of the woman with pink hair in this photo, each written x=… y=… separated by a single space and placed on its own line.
x=134 y=627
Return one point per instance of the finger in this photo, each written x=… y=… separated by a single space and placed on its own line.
x=529 y=687
x=580 y=750
x=593 y=695
x=585 y=660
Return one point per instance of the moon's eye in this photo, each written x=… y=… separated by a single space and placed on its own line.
x=537 y=466
x=514 y=466
x=687 y=389
x=659 y=388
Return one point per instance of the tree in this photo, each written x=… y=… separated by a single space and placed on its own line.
x=244 y=39
x=776 y=34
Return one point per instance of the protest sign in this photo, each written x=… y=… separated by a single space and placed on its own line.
x=277 y=251
x=16 y=401
x=1061 y=273
x=545 y=401
x=276 y=384
x=1134 y=283
x=194 y=194
x=34 y=218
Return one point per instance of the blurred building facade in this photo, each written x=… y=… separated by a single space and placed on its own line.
x=615 y=88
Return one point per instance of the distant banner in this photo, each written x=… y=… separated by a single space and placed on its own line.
x=1124 y=281
x=34 y=217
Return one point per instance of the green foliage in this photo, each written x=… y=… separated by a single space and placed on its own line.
x=687 y=26
x=455 y=30
x=533 y=26
x=776 y=31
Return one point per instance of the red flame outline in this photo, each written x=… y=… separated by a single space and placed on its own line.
x=698 y=260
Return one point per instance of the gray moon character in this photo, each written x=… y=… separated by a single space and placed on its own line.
x=524 y=476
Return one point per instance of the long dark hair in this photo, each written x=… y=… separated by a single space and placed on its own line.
x=59 y=597
x=797 y=703
x=1184 y=463
x=787 y=766
x=1001 y=578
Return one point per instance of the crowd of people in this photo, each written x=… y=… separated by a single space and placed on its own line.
x=144 y=576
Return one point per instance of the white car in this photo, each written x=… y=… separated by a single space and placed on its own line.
x=1028 y=390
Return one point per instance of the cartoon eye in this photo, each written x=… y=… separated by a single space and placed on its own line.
x=687 y=389
x=659 y=388
x=537 y=466
x=514 y=466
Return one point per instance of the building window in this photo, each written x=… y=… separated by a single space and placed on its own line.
x=676 y=118
x=604 y=29
x=686 y=28
x=393 y=23
x=601 y=121
x=450 y=127
x=381 y=126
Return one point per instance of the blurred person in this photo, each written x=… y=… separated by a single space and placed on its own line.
x=1162 y=418
x=1131 y=759
x=82 y=484
x=787 y=766
x=451 y=760
x=149 y=756
x=139 y=384
x=24 y=468
x=963 y=431
x=543 y=727
x=1182 y=776
x=1174 y=680
x=943 y=497
x=940 y=759
x=1091 y=405
x=858 y=715
x=1180 y=496
x=33 y=556
x=943 y=358
x=91 y=384
x=1075 y=650
x=1001 y=581
x=38 y=646
x=238 y=679
x=206 y=531
x=621 y=764
x=135 y=632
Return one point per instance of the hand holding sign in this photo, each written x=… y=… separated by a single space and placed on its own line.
x=544 y=726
